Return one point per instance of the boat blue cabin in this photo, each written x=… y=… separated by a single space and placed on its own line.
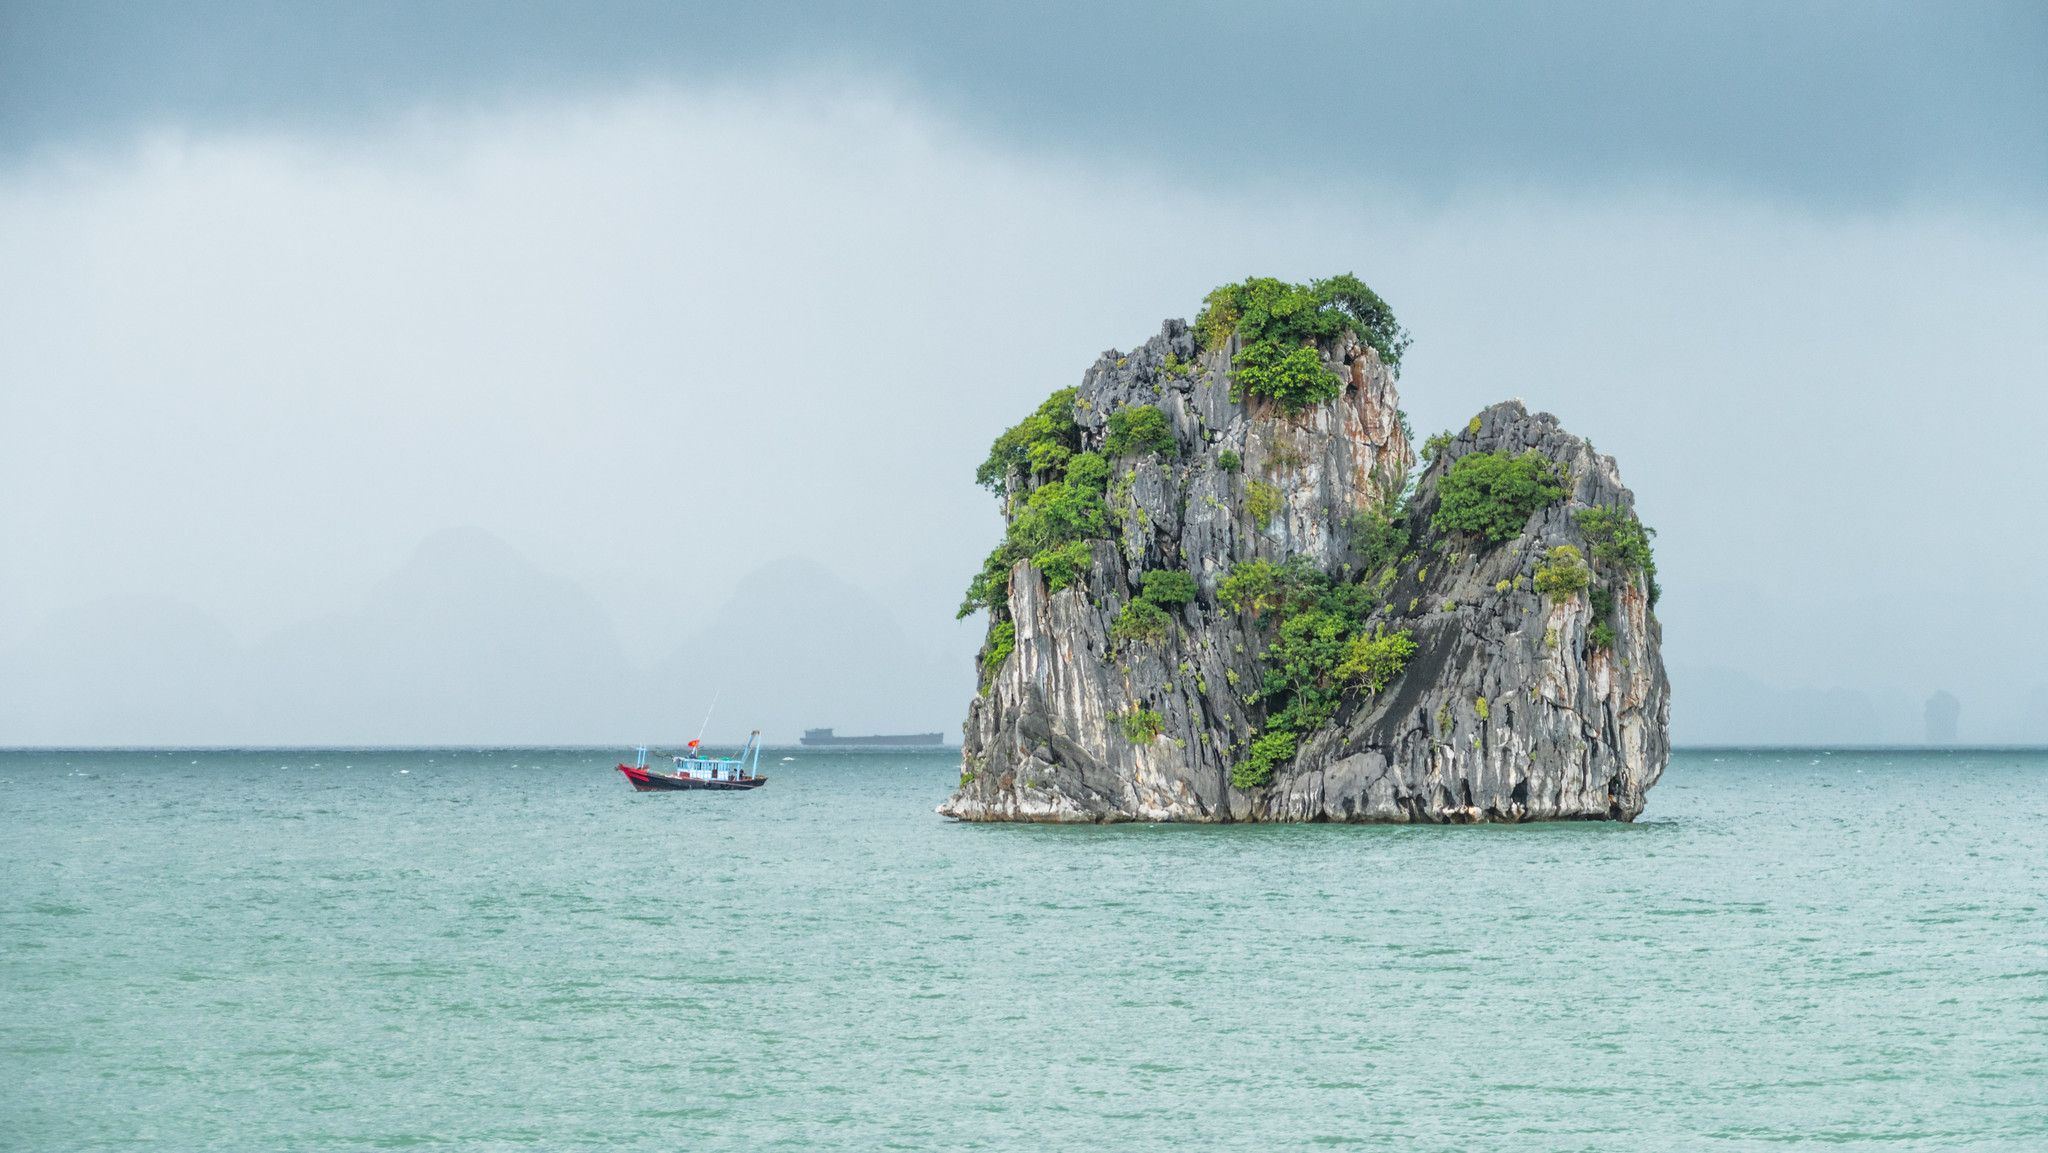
x=702 y=768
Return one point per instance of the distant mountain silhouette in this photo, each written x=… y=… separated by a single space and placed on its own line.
x=796 y=647
x=469 y=642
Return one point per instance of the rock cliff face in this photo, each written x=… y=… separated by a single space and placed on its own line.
x=1514 y=705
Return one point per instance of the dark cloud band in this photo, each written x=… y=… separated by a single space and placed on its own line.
x=1847 y=105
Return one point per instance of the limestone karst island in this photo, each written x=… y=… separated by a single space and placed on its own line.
x=1225 y=594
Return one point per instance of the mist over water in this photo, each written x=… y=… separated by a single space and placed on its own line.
x=353 y=949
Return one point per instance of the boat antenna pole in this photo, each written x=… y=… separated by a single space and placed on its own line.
x=707 y=714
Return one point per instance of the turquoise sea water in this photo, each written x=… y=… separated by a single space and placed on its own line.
x=511 y=949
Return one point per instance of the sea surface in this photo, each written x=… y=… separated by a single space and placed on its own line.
x=504 y=949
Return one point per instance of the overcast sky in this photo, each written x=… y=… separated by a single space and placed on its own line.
x=313 y=314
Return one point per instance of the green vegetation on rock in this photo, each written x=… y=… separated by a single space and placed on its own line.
x=1261 y=502
x=1039 y=444
x=1144 y=619
x=1295 y=378
x=1261 y=587
x=1378 y=535
x=1602 y=599
x=1047 y=522
x=1139 y=429
x=1493 y=493
x=1140 y=622
x=1268 y=752
x=1301 y=688
x=1319 y=650
x=1142 y=725
x=1062 y=511
x=1282 y=326
x=1165 y=587
x=1619 y=539
x=1002 y=641
x=1373 y=662
x=1602 y=633
x=1063 y=565
x=1264 y=308
x=1563 y=574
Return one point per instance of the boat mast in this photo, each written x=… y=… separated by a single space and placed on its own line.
x=707 y=713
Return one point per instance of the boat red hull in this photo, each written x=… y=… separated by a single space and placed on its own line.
x=649 y=781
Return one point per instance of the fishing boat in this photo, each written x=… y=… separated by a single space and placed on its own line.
x=694 y=770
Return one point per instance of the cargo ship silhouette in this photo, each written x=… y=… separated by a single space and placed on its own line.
x=824 y=738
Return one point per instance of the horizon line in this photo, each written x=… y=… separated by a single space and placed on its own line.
x=1888 y=747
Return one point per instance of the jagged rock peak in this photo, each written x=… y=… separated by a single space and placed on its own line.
x=1484 y=649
